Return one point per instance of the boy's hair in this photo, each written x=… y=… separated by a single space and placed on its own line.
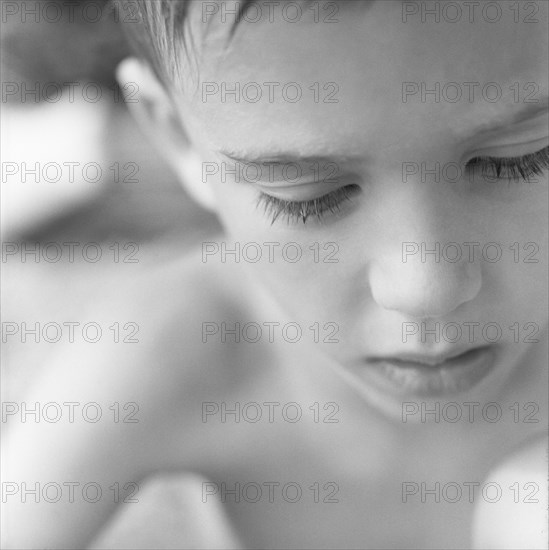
x=155 y=31
x=158 y=30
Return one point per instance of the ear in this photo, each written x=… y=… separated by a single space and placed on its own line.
x=158 y=118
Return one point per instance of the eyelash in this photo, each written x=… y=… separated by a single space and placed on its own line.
x=294 y=211
x=513 y=169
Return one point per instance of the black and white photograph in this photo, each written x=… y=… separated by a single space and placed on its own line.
x=274 y=274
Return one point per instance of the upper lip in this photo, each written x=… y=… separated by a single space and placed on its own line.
x=423 y=359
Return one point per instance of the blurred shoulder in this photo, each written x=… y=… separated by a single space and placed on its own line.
x=515 y=515
x=167 y=288
x=163 y=308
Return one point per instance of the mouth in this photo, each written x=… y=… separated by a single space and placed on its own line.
x=429 y=376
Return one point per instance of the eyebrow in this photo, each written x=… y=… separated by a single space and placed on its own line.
x=531 y=111
x=289 y=158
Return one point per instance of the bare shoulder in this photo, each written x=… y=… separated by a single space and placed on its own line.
x=124 y=406
x=160 y=316
x=515 y=513
x=162 y=310
x=150 y=363
x=172 y=364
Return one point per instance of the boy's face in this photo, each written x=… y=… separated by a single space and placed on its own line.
x=392 y=111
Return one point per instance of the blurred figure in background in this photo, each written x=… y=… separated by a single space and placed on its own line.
x=60 y=105
x=76 y=169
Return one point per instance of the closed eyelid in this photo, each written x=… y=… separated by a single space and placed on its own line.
x=531 y=129
x=512 y=150
x=531 y=115
x=274 y=174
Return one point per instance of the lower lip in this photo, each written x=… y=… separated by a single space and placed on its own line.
x=453 y=376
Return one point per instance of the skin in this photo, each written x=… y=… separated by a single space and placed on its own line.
x=369 y=293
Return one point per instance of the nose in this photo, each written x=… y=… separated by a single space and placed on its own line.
x=423 y=289
x=423 y=269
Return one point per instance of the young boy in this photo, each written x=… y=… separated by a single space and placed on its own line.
x=355 y=361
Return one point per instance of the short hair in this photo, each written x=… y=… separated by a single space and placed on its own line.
x=155 y=30
x=158 y=30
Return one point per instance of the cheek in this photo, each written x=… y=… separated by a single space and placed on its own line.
x=526 y=285
x=304 y=268
x=237 y=209
x=318 y=273
x=519 y=278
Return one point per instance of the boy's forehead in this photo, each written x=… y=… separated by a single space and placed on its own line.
x=370 y=73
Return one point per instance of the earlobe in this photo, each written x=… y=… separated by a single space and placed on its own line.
x=158 y=118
